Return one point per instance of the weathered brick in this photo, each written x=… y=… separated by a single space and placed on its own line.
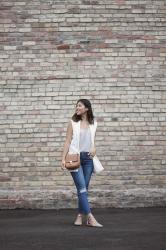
x=51 y=54
x=63 y=46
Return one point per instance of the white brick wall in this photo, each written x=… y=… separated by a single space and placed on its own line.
x=51 y=54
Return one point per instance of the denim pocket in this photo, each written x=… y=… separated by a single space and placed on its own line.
x=89 y=156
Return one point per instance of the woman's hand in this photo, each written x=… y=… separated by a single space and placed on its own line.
x=63 y=165
x=92 y=151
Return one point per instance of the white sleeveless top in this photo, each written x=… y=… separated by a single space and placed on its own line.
x=85 y=139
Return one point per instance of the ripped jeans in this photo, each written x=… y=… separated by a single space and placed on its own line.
x=81 y=180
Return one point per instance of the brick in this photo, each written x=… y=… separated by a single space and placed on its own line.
x=63 y=46
x=10 y=47
x=29 y=43
x=24 y=30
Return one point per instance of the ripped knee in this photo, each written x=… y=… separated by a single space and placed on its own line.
x=82 y=190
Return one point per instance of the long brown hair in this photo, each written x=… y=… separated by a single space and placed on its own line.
x=90 y=115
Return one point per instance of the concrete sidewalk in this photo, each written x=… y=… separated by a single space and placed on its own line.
x=124 y=229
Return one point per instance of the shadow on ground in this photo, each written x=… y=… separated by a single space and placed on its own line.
x=124 y=229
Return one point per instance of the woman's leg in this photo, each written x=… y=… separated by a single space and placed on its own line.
x=80 y=184
x=87 y=168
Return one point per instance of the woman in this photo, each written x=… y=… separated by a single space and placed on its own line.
x=83 y=118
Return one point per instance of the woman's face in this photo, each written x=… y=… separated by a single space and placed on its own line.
x=80 y=108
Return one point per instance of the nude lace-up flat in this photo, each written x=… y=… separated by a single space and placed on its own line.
x=78 y=221
x=91 y=221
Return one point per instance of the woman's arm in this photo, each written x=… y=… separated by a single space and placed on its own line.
x=69 y=134
x=93 y=148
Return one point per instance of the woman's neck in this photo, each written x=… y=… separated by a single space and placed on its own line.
x=84 y=122
x=84 y=118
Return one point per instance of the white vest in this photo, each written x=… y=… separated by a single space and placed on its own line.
x=74 y=145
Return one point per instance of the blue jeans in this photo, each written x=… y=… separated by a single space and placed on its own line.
x=81 y=180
